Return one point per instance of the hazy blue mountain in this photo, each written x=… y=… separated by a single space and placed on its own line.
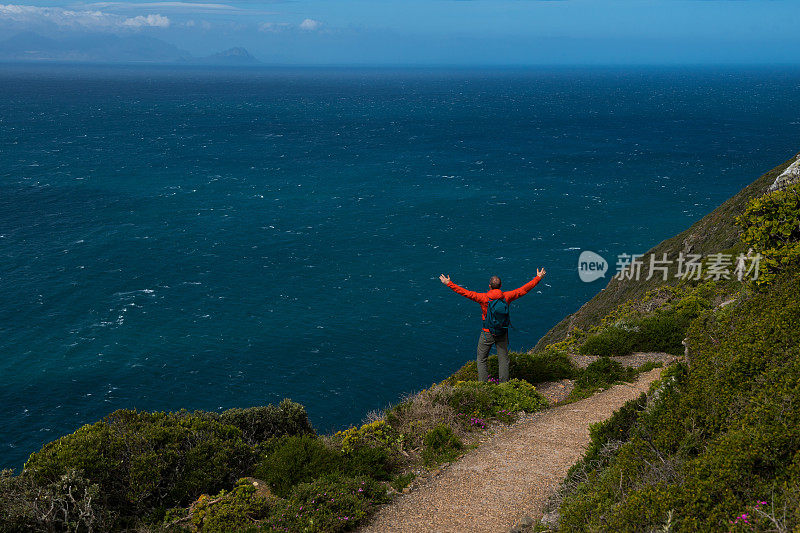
x=231 y=56
x=27 y=44
x=107 y=48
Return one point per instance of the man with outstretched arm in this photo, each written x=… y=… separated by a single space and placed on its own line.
x=500 y=335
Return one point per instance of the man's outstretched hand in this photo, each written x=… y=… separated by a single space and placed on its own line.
x=444 y=279
x=540 y=272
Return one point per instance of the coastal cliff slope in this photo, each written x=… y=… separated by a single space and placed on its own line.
x=714 y=233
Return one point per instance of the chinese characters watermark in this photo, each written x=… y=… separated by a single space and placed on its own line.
x=718 y=266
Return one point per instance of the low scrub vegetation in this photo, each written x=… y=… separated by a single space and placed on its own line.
x=718 y=446
x=633 y=329
x=441 y=445
x=601 y=374
x=132 y=466
x=770 y=226
x=246 y=469
x=538 y=367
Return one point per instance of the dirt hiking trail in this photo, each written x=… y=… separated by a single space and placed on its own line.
x=512 y=475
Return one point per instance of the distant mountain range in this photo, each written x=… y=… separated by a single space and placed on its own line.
x=231 y=56
x=105 y=48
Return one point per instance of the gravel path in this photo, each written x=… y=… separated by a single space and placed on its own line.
x=634 y=359
x=556 y=391
x=510 y=476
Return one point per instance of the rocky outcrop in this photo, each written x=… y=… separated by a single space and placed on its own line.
x=788 y=177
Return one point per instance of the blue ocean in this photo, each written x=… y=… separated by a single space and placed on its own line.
x=205 y=239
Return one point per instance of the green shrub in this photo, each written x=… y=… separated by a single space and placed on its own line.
x=612 y=341
x=236 y=510
x=368 y=450
x=259 y=424
x=375 y=434
x=476 y=401
x=603 y=373
x=302 y=459
x=298 y=459
x=538 y=367
x=518 y=395
x=401 y=481
x=143 y=462
x=662 y=331
x=16 y=502
x=600 y=374
x=372 y=461
x=473 y=398
x=71 y=503
x=691 y=305
x=770 y=226
x=648 y=366
x=441 y=445
x=326 y=506
x=617 y=427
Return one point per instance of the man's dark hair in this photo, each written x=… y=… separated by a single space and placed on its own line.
x=494 y=282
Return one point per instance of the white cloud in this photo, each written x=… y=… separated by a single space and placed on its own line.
x=157 y=21
x=268 y=27
x=97 y=20
x=274 y=27
x=310 y=25
x=203 y=24
x=177 y=7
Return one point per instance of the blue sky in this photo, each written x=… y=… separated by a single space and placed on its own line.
x=441 y=31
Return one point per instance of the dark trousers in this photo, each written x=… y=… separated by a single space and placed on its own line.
x=485 y=343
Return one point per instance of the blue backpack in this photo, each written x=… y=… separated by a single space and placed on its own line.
x=497 y=317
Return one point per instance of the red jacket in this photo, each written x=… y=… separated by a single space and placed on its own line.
x=493 y=294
